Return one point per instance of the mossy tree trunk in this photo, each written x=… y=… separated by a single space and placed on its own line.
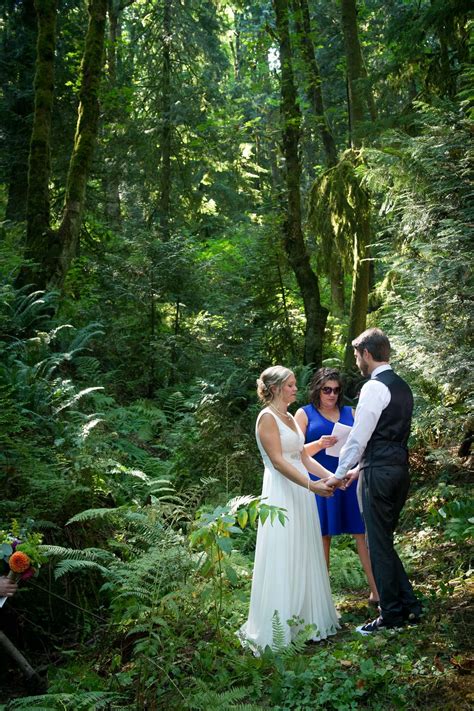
x=298 y=257
x=315 y=97
x=113 y=117
x=17 y=65
x=41 y=243
x=84 y=140
x=313 y=79
x=50 y=252
x=361 y=105
x=360 y=283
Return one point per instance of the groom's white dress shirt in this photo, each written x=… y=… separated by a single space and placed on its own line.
x=374 y=398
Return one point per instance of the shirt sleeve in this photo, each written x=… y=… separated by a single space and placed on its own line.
x=374 y=398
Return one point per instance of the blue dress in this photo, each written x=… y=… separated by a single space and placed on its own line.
x=339 y=513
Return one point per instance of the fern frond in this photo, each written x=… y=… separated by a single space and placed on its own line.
x=64 y=567
x=92 y=554
x=80 y=701
x=91 y=514
x=77 y=396
x=215 y=700
x=279 y=641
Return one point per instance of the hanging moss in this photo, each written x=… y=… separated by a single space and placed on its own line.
x=339 y=216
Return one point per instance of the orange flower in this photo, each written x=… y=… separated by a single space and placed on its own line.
x=19 y=562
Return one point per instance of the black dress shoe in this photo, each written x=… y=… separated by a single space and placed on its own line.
x=412 y=619
x=376 y=625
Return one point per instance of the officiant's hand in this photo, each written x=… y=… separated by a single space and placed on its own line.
x=326 y=441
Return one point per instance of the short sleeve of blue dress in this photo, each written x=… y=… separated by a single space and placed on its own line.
x=339 y=513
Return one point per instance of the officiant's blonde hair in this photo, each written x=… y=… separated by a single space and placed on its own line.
x=271 y=381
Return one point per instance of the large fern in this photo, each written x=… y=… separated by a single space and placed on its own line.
x=80 y=701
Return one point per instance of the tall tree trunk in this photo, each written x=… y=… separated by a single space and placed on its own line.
x=315 y=97
x=359 y=94
x=316 y=314
x=360 y=291
x=165 y=143
x=50 y=252
x=17 y=72
x=84 y=140
x=336 y=280
x=111 y=179
x=41 y=243
x=354 y=68
x=313 y=82
x=358 y=102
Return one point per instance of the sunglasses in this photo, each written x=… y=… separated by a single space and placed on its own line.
x=327 y=390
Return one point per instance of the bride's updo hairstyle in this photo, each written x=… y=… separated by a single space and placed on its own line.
x=272 y=377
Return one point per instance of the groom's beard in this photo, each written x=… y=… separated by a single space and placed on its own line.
x=364 y=368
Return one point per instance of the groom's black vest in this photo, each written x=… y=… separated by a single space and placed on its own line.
x=388 y=444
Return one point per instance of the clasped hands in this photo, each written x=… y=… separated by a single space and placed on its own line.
x=334 y=483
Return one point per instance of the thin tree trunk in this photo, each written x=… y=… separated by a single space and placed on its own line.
x=165 y=143
x=359 y=101
x=313 y=83
x=22 y=662
x=316 y=314
x=112 y=177
x=336 y=280
x=360 y=293
x=289 y=333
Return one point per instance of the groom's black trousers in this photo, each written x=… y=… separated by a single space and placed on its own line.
x=384 y=492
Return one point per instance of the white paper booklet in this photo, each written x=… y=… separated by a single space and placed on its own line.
x=2 y=601
x=342 y=433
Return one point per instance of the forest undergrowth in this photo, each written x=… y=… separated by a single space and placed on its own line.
x=163 y=631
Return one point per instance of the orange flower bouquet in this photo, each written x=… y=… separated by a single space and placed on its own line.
x=19 y=564
x=20 y=554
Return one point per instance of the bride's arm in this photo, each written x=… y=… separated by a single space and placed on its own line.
x=315 y=467
x=271 y=442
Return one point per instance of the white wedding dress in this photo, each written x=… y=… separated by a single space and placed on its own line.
x=290 y=575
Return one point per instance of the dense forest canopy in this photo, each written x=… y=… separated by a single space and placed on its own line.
x=191 y=191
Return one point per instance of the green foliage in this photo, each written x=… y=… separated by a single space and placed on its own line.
x=124 y=439
x=451 y=509
x=346 y=569
x=213 y=535
x=427 y=206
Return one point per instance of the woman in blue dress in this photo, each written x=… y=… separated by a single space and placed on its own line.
x=340 y=513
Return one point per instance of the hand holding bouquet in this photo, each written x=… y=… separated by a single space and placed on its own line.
x=20 y=554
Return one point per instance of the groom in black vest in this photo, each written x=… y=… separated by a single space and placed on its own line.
x=378 y=444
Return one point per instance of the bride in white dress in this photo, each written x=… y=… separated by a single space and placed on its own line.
x=290 y=575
